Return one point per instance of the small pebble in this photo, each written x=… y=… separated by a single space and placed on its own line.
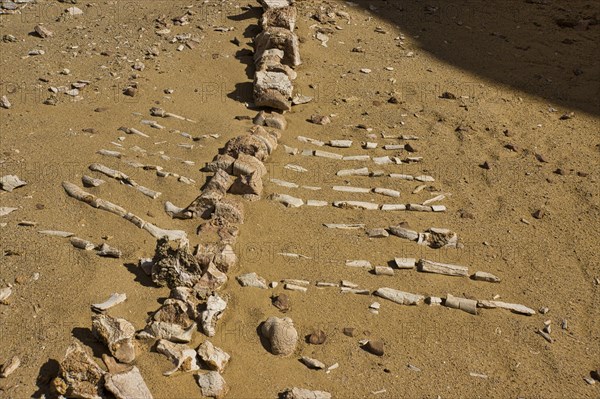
x=349 y=331
x=317 y=338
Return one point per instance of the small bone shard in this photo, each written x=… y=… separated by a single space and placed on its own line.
x=10 y=182
x=114 y=300
x=312 y=363
x=485 y=276
x=82 y=244
x=117 y=334
x=109 y=252
x=513 y=307
x=10 y=367
x=91 y=181
x=5 y=293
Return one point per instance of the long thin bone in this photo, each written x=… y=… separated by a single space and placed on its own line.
x=155 y=111
x=122 y=177
x=81 y=195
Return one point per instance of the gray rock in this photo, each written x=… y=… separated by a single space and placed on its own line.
x=281 y=334
x=300 y=393
x=252 y=280
x=214 y=357
x=212 y=384
x=127 y=385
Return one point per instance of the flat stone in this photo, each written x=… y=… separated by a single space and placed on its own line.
x=252 y=280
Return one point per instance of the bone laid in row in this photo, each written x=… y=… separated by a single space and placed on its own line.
x=91 y=182
x=365 y=172
x=294 y=202
x=465 y=304
x=385 y=160
x=331 y=143
x=73 y=191
x=425 y=266
x=123 y=178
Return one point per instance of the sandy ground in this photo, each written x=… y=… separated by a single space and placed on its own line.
x=513 y=75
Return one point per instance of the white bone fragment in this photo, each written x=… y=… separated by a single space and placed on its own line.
x=400 y=297
x=353 y=172
x=311 y=141
x=294 y=287
x=348 y=290
x=82 y=244
x=424 y=179
x=296 y=168
x=434 y=199
x=325 y=154
x=316 y=203
x=513 y=307
x=384 y=271
x=56 y=233
x=113 y=300
x=387 y=192
x=382 y=160
x=287 y=200
x=401 y=176
x=464 y=304
x=442 y=268
x=405 y=263
x=356 y=205
x=284 y=183
x=358 y=263
x=356 y=158
x=340 y=143
x=354 y=226
x=349 y=189
x=393 y=207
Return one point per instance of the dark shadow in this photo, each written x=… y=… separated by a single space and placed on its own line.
x=246 y=57
x=263 y=340
x=140 y=276
x=87 y=338
x=251 y=13
x=252 y=31
x=47 y=373
x=543 y=48
x=242 y=92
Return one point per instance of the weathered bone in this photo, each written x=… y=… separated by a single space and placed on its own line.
x=90 y=199
x=400 y=297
